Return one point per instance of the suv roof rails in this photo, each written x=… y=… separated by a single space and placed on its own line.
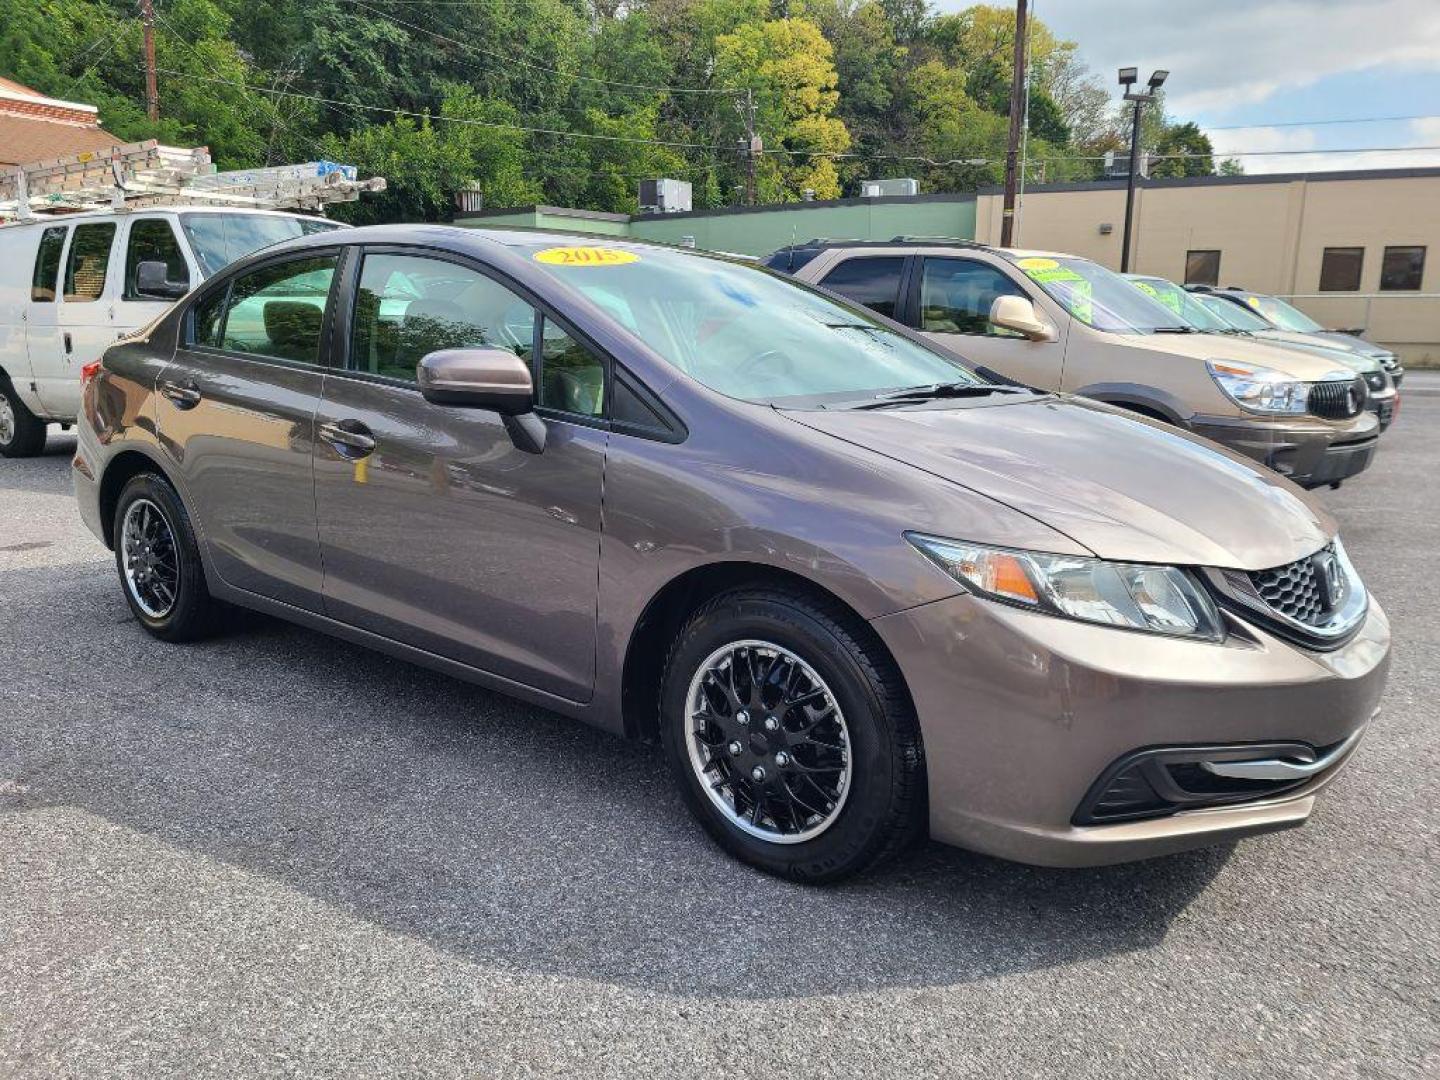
x=954 y=241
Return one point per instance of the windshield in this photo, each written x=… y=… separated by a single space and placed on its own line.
x=1098 y=297
x=1240 y=318
x=744 y=331
x=1190 y=311
x=220 y=239
x=1283 y=315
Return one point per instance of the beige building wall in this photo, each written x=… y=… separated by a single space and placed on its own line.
x=1271 y=234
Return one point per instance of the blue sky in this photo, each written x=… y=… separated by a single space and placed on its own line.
x=1268 y=62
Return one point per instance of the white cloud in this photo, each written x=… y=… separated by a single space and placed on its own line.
x=1226 y=53
x=1421 y=134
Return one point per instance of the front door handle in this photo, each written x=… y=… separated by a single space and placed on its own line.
x=183 y=397
x=69 y=343
x=350 y=438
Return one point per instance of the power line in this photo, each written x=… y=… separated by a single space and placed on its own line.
x=441 y=117
x=1321 y=123
x=649 y=87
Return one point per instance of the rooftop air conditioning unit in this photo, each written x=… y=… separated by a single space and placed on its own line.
x=1117 y=166
x=664 y=197
x=871 y=189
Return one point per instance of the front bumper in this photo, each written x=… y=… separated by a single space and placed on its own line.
x=1022 y=714
x=1310 y=452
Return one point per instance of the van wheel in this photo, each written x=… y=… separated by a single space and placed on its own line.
x=791 y=736
x=22 y=433
x=159 y=563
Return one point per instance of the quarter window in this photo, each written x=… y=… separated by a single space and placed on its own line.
x=572 y=378
x=1402 y=268
x=956 y=296
x=89 y=260
x=1202 y=268
x=47 y=265
x=872 y=281
x=209 y=318
x=409 y=305
x=153 y=240
x=278 y=310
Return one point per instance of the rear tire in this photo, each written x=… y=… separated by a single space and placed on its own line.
x=158 y=559
x=22 y=433
x=792 y=738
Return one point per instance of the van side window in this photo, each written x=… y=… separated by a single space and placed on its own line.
x=956 y=296
x=153 y=240
x=88 y=263
x=47 y=265
x=409 y=305
x=873 y=281
x=279 y=310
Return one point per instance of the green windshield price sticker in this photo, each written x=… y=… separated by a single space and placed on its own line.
x=1073 y=290
x=1169 y=299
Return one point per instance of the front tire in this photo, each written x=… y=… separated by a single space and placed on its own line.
x=22 y=433
x=158 y=559
x=792 y=738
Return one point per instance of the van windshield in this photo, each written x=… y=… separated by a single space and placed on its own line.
x=747 y=332
x=1185 y=306
x=1098 y=297
x=1241 y=318
x=220 y=239
x=1283 y=315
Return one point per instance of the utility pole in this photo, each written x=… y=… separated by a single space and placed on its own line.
x=752 y=145
x=1017 y=126
x=152 y=92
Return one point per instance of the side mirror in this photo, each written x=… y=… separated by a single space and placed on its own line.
x=485 y=378
x=153 y=279
x=1019 y=314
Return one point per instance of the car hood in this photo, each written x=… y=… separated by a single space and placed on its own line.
x=1356 y=359
x=1341 y=340
x=1298 y=363
x=1125 y=487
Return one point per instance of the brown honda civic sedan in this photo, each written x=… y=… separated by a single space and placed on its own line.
x=860 y=591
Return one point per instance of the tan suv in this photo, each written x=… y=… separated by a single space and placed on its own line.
x=1058 y=322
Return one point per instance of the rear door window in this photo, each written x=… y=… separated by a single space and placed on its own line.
x=47 y=265
x=89 y=262
x=278 y=310
x=871 y=280
x=956 y=296
x=153 y=240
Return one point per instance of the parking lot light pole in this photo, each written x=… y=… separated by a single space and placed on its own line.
x=1127 y=80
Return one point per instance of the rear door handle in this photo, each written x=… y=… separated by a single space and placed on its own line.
x=350 y=437
x=183 y=397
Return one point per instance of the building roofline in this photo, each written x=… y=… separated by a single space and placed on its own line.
x=724 y=211
x=6 y=94
x=1409 y=173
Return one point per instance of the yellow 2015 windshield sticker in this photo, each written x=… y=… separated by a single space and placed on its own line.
x=586 y=256
x=1037 y=264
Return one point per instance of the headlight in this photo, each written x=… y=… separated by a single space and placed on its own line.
x=1135 y=596
x=1259 y=389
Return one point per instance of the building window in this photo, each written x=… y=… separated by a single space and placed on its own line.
x=1202 y=268
x=1340 y=269
x=1402 y=268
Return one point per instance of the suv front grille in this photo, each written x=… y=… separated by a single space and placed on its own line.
x=1337 y=399
x=1295 y=590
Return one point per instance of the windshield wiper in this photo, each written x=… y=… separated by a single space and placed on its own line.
x=933 y=391
x=1175 y=330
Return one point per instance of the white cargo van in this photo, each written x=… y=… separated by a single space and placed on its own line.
x=70 y=284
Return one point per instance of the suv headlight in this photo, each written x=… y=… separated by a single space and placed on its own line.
x=1134 y=596
x=1259 y=389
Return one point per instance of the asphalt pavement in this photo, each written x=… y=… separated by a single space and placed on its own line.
x=277 y=854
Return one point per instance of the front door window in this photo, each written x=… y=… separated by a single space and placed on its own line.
x=956 y=296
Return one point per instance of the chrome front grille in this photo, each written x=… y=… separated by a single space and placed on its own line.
x=1296 y=590
x=1337 y=399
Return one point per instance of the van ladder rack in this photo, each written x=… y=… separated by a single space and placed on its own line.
x=134 y=176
